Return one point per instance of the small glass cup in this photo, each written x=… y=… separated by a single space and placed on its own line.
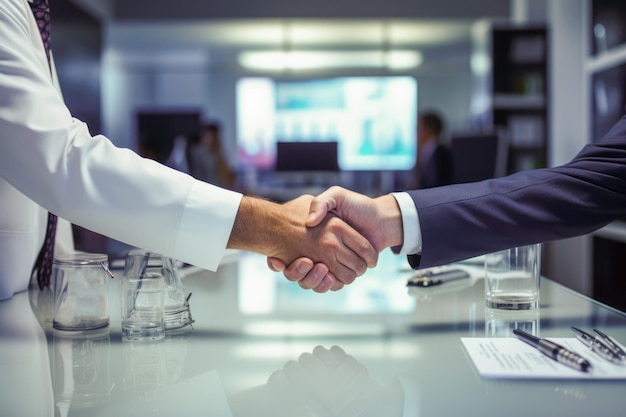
x=176 y=302
x=143 y=316
x=512 y=278
x=80 y=283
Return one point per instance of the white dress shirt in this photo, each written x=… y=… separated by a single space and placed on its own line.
x=410 y=225
x=49 y=160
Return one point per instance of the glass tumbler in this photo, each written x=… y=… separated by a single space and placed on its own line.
x=512 y=278
x=142 y=307
x=176 y=302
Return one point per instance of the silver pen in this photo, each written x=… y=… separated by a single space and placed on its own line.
x=598 y=345
x=613 y=344
x=555 y=351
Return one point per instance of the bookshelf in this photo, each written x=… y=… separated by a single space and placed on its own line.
x=605 y=67
x=511 y=95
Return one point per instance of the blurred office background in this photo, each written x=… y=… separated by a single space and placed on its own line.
x=543 y=77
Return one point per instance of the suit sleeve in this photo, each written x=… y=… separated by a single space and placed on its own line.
x=465 y=220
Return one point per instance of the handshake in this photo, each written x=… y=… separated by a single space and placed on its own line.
x=322 y=242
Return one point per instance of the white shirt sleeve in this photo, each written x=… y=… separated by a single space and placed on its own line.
x=410 y=225
x=53 y=159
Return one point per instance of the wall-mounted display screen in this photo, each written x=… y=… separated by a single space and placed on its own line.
x=372 y=119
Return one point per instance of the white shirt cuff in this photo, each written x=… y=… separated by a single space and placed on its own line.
x=410 y=225
x=206 y=224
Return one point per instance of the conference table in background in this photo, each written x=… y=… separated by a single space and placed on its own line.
x=261 y=346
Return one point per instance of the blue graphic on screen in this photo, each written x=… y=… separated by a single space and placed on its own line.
x=373 y=119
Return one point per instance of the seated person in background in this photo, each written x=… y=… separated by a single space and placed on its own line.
x=178 y=157
x=206 y=160
x=434 y=162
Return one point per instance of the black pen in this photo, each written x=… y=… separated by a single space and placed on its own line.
x=430 y=279
x=555 y=351
x=598 y=345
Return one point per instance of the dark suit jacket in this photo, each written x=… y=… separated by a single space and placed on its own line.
x=465 y=220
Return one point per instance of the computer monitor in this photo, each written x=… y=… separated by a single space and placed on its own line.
x=306 y=156
x=477 y=157
x=372 y=119
x=156 y=131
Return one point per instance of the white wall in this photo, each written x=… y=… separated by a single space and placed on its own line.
x=568 y=259
x=450 y=93
x=141 y=81
x=570 y=131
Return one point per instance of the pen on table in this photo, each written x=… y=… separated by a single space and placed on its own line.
x=597 y=344
x=555 y=351
x=429 y=278
x=613 y=344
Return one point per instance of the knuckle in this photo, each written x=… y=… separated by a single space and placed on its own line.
x=348 y=277
x=330 y=243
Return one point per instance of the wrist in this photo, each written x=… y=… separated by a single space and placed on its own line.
x=251 y=226
x=390 y=218
x=267 y=228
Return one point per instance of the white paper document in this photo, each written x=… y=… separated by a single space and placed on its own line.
x=511 y=358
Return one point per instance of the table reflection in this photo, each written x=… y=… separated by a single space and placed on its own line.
x=377 y=348
x=80 y=366
x=501 y=323
x=25 y=381
x=149 y=368
x=327 y=383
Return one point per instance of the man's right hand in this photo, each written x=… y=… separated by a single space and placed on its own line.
x=280 y=232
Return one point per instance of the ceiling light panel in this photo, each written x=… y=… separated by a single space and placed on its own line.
x=427 y=32
x=304 y=33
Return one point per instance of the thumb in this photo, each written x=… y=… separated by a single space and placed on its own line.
x=322 y=205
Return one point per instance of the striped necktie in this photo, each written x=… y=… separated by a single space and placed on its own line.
x=43 y=264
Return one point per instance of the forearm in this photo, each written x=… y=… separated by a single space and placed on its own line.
x=53 y=160
x=533 y=206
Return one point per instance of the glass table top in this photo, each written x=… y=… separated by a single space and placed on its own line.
x=261 y=346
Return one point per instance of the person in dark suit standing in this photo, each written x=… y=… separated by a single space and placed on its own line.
x=434 y=162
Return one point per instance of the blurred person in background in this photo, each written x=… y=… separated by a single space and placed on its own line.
x=206 y=158
x=434 y=161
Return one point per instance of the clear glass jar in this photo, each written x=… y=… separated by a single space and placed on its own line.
x=81 y=291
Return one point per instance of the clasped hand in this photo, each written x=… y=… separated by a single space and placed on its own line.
x=341 y=219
